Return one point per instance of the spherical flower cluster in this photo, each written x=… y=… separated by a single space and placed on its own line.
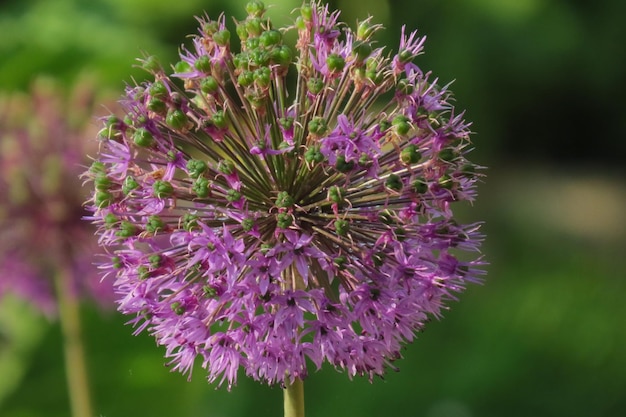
x=265 y=207
x=42 y=151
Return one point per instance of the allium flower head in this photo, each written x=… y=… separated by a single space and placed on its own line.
x=260 y=225
x=42 y=151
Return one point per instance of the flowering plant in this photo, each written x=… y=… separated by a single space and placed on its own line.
x=260 y=226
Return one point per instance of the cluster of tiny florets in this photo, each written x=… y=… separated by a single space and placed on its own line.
x=261 y=220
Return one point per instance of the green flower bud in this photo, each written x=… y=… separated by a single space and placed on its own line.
x=209 y=85
x=281 y=55
x=263 y=76
x=209 y=28
x=110 y=220
x=342 y=165
x=202 y=187
x=129 y=185
x=143 y=138
x=284 y=200
x=318 y=126
x=420 y=186
x=447 y=154
x=283 y=220
x=196 y=167
x=247 y=225
x=364 y=30
x=335 y=63
x=162 y=189
x=255 y=8
x=209 y=292
x=242 y=32
x=143 y=272
x=313 y=154
x=178 y=308
x=219 y=119
x=155 y=224
x=270 y=38
x=116 y=261
x=394 y=182
x=286 y=122
x=362 y=50
x=176 y=119
x=340 y=262
x=158 y=89
x=127 y=229
x=315 y=85
x=190 y=222
x=259 y=58
x=306 y=12
x=405 y=56
x=342 y=227
x=246 y=78
x=336 y=194
x=182 y=67
x=401 y=125
x=410 y=155
x=445 y=181
x=233 y=195
x=155 y=260
x=102 y=183
x=400 y=233
x=157 y=105
x=222 y=37
x=387 y=217
x=203 y=63
x=103 y=199
x=226 y=167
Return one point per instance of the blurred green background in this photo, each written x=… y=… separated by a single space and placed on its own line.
x=544 y=83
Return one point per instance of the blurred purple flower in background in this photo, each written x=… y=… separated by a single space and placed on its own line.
x=46 y=250
x=261 y=225
x=42 y=150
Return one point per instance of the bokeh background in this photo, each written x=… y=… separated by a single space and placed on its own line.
x=543 y=81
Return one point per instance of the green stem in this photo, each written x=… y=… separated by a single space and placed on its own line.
x=294 y=398
x=75 y=368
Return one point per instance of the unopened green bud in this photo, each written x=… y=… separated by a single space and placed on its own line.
x=116 y=261
x=335 y=63
x=242 y=32
x=420 y=186
x=209 y=85
x=342 y=227
x=178 y=308
x=157 y=105
x=336 y=194
x=209 y=292
x=196 y=167
x=405 y=56
x=176 y=119
x=282 y=55
x=270 y=38
x=394 y=182
x=182 y=67
x=233 y=195
x=255 y=8
x=315 y=85
x=313 y=154
x=318 y=126
x=447 y=154
x=340 y=262
x=247 y=225
x=263 y=76
x=102 y=183
x=127 y=229
x=254 y=28
x=445 y=181
x=129 y=185
x=143 y=138
x=342 y=165
x=203 y=63
x=401 y=125
x=246 y=78
x=222 y=37
x=259 y=58
x=103 y=199
x=306 y=12
x=190 y=221
x=219 y=119
x=361 y=50
x=364 y=30
x=210 y=28
x=158 y=89
x=283 y=220
x=155 y=224
x=155 y=260
x=410 y=155
x=226 y=166
x=110 y=220
x=202 y=187
x=143 y=272
x=162 y=189
x=284 y=200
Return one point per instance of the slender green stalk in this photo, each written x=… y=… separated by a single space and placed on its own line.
x=294 y=399
x=75 y=367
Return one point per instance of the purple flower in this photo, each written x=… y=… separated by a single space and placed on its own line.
x=42 y=152
x=255 y=225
